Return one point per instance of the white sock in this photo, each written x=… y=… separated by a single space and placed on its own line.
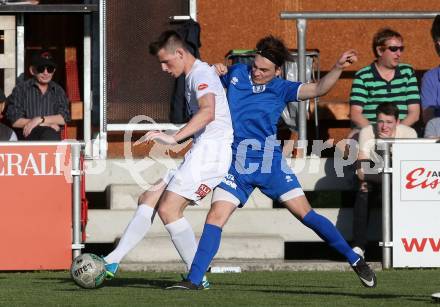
x=133 y=234
x=184 y=240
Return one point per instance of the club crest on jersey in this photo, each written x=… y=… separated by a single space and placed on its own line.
x=258 y=88
x=203 y=190
x=202 y=86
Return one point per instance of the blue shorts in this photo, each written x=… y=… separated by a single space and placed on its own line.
x=274 y=178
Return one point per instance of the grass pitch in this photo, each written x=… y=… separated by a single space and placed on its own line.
x=395 y=288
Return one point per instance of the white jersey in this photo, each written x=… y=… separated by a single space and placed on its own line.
x=207 y=162
x=203 y=79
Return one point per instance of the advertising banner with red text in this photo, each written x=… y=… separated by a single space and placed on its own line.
x=416 y=205
x=36 y=206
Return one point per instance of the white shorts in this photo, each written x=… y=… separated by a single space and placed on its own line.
x=203 y=168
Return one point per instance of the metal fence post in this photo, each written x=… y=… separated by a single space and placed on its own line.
x=76 y=199
x=301 y=26
x=386 y=208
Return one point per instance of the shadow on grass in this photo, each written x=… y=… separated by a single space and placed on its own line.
x=271 y=285
x=372 y=295
x=119 y=282
x=140 y=283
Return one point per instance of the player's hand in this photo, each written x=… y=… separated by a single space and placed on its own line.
x=220 y=69
x=347 y=58
x=160 y=137
x=34 y=122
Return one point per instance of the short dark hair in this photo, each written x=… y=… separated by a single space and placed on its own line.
x=382 y=36
x=435 y=30
x=388 y=108
x=274 y=49
x=169 y=40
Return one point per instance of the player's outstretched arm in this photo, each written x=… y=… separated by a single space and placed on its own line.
x=311 y=90
x=200 y=120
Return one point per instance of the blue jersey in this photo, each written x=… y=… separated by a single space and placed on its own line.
x=256 y=109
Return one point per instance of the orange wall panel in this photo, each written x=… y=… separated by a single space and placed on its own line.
x=36 y=207
x=231 y=24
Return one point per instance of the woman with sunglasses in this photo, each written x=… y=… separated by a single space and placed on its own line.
x=38 y=107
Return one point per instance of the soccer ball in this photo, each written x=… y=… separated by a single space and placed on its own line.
x=88 y=271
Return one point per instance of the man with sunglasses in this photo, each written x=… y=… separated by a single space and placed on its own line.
x=385 y=80
x=38 y=107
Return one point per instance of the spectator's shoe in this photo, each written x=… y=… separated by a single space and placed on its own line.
x=111 y=269
x=359 y=251
x=365 y=273
x=205 y=283
x=185 y=285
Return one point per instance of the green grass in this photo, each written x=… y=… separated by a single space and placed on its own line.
x=395 y=288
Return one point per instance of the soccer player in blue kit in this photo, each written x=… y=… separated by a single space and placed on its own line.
x=256 y=99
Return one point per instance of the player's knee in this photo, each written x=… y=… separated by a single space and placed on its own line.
x=168 y=213
x=163 y=212
x=216 y=218
x=143 y=198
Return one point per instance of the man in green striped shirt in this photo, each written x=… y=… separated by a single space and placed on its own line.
x=385 y=80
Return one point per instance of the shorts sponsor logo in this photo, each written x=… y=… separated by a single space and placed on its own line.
x=289 y=178
x=230 y=181
x=202 y=86
x=203 y=190
x=234 y=80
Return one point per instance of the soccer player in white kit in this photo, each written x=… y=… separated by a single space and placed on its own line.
x=205 y=164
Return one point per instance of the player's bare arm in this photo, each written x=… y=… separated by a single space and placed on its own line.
x=311 y=90
x=200 y=120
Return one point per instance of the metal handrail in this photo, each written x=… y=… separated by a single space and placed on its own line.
x=301 y=26
x=358 y=15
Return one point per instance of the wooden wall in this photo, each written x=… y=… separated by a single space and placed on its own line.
x=232 y=24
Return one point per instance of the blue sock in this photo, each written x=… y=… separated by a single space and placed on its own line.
x=328 y=232
x=208 y=247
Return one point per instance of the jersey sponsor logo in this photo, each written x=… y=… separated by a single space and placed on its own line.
x=203 y=190
x=202 y=86
x=258 y=88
